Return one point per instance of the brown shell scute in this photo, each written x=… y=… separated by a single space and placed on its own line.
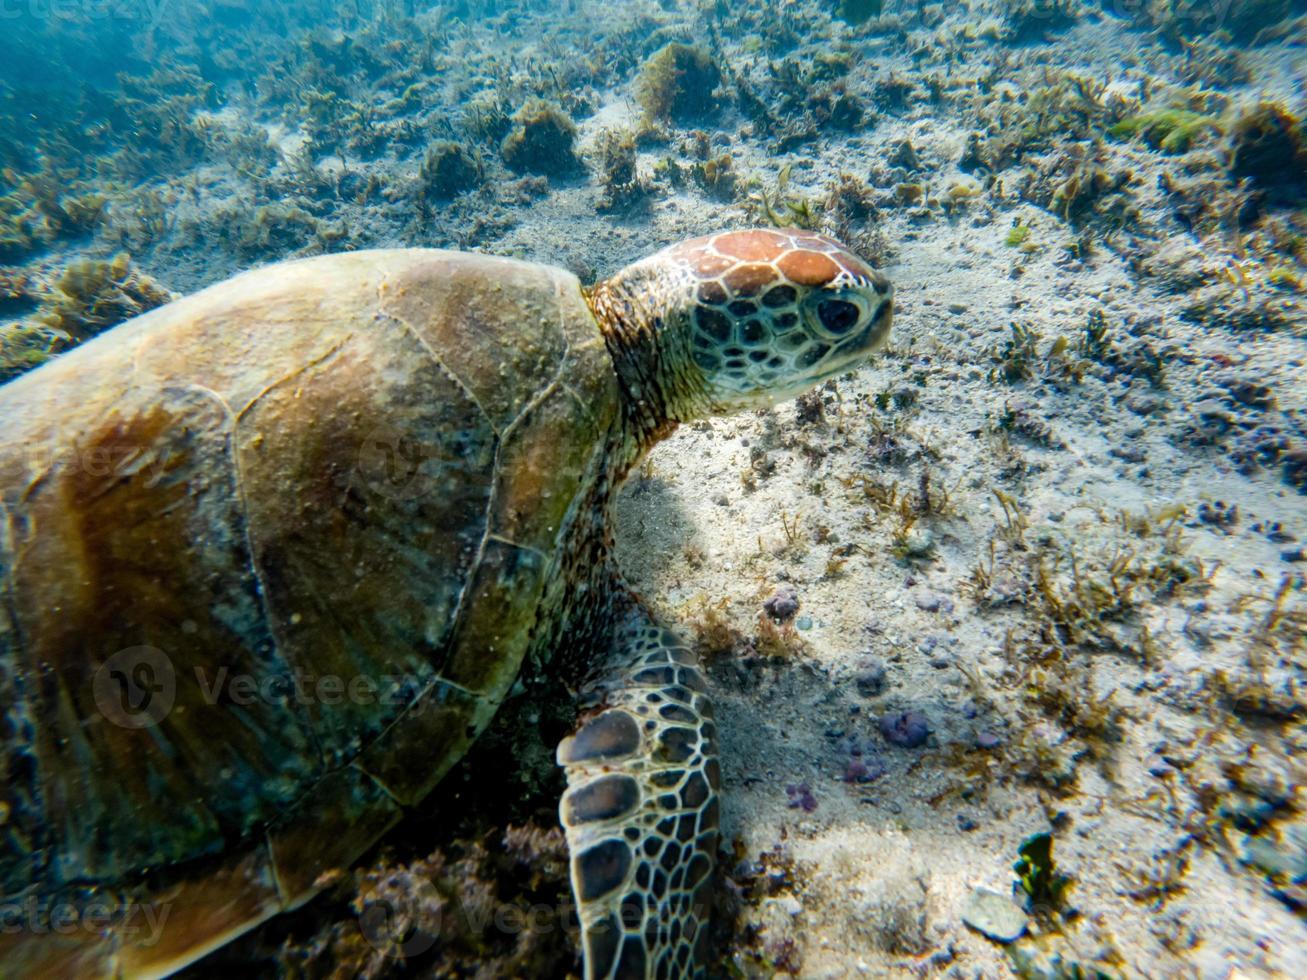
x=363 y=563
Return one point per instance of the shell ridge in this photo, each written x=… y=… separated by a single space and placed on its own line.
x=556 y=380
x=515 y=544
x=581 y=404
x=322 y=358
x=456 y=619
x=457 y=615
x=256 y=568
x=383 y=310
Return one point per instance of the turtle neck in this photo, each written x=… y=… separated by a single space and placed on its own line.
x=643 y=323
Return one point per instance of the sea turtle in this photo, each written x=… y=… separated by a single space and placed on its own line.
x=272 y=555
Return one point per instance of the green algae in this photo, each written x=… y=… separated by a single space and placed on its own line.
x=1169 y=130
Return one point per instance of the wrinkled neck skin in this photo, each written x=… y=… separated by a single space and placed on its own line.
x=643 y=324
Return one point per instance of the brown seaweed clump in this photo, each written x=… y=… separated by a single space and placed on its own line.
x=448 y=171
x=677 y=83
x=479 y=907
x=24 y=346
x=1268 y=147
x=94 y=295
x=624 y=187
x=1078 y=187
x=66 y=215
x=16 y=296
x=543 y=141
x=18 y=233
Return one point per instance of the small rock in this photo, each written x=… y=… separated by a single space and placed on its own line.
x=930 y=602
x=1248 y=392
x=1145 y=405
x=1247 y=813
x=1289 y=859
x=918 y=543
x=1295 y=469
x=987 y=740
x=957 y=308
x=1212 y=414
x=870 y=677
x=1292 y=555
x=783 y=604
x=906 y=729
x=992 y=914
x=804 y=623
x=790 y=905
x=1276 y=534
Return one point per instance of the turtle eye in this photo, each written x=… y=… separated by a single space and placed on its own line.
x=837 y=315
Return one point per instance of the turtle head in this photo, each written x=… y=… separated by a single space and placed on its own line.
x=742 y=319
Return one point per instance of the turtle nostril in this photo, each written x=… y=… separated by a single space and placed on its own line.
x=837 y=316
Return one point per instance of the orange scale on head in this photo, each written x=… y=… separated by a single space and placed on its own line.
x=750 y=279
x=809 y=268
x=751 y=246
x=709 y=266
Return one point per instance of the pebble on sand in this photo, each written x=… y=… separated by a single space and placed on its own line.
x=994 y=915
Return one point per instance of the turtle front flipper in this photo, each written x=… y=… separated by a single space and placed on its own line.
x=641 y=809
